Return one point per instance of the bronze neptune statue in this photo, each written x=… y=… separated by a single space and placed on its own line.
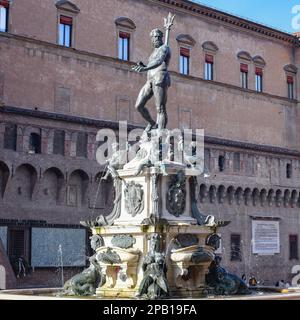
x=158 y=78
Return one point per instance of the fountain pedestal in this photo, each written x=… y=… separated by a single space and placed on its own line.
x=186 y=275
x=155 y=203
x=147 y=194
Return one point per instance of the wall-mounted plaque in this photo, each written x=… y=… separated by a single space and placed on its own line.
x=265 y=237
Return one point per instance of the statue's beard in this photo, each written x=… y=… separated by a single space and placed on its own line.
x=157 y=44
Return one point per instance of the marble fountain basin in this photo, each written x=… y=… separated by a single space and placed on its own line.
x=128 y=256
x=193 y=254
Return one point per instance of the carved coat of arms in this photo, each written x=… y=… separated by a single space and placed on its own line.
x=134 y=198
x=176 y=194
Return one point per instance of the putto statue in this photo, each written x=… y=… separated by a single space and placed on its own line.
x=158 y=78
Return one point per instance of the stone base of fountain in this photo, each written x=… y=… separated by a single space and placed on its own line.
x=147 y=209
x=186 y=267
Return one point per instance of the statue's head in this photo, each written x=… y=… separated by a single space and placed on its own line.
x=156 y=38
x=154 y=242
x=214 y=240
x=96 y=241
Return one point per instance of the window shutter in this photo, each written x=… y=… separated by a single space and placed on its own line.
x=4 y=3
x=66 y=20
x=258 y=71
x=290 y=79
x=124 y=35
x=185 y=52
x=244 y=67
x=209 y=58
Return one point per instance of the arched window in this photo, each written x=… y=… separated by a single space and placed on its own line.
x=185 y=43
x=245 y=60
x=210 y=50
x=259 y=63
x=291 y=72
x=66 y=15
x=125 y=28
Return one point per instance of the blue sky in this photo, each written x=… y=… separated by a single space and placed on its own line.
x=274 y=13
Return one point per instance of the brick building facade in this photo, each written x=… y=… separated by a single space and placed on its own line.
x=63 y=77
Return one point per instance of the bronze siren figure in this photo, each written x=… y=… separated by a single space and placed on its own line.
x=158 y=78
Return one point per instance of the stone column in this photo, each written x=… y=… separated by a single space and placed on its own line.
x=45 y=141
x=21 y=138
x=91 y=146
x=73 y=144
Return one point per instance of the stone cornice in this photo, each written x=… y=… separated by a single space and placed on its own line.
x=62 y=117
x=235 y=21
x=114 y=125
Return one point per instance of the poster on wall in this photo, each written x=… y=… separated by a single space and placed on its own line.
x=265 y=237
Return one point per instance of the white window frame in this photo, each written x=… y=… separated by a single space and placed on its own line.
x=258 y=83
x=124 y=47
x=184 y=65
x=291 y=90
x=209 y=71
x=3 y=18
x=244 y=79
x=65 y=31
